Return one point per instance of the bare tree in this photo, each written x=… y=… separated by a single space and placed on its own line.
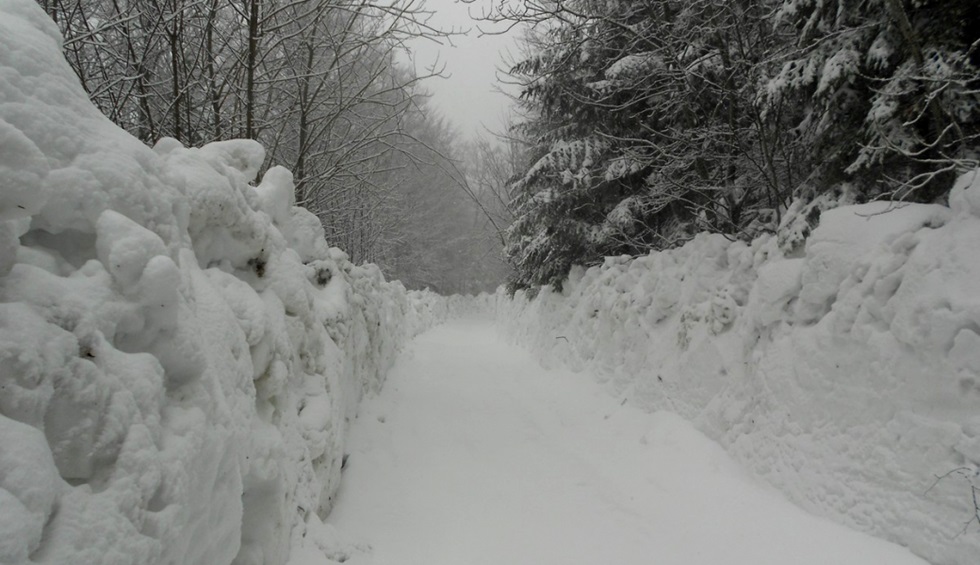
x=319 y=83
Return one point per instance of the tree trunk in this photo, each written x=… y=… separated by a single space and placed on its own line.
x=251 y=64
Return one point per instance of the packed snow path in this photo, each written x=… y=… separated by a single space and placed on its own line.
x=473 y=454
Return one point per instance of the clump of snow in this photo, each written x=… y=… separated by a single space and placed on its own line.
x=845 y=371
x=965 y=196
x=22 y=166
x=276 y=197
x=631 y=65
x=180 y=351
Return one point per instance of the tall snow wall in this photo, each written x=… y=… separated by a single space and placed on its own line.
x=180 y=351
x=845 y=372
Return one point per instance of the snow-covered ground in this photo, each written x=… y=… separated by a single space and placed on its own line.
x=845 y=371
x=473 y=454
x=181 y=353
x=180 y=350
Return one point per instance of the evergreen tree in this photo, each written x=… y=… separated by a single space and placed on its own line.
x=645 y=128
x=892 y=91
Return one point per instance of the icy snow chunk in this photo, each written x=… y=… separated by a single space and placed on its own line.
x=304 y=234
x=243 y=155
x=9 y=246
x=224 y=227
x=778 y=284
x=848 y=234
x=166 y=146
x=933 y=293
x=29 y=346
x=22 y=168
x=291 y=282
x=17 y=533
x=723 y=309
x=158 y=290
x=125 y=247
x=247 y=306
x=316 y=413
x=965 y=196
x=28 y=475
x=275 y=192
x=963 y=356
x=40 y=258
x=179 y=352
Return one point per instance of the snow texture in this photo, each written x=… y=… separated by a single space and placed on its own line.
x=180 y=351
x=847 y=374
x=543 y=467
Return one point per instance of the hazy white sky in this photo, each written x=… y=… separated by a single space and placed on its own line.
x=468 y=97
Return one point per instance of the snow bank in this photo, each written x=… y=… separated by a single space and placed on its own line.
x=180 y=351
x=846 y=373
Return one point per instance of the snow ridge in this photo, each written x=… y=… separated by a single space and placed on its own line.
x=846 y=372
x=180 y=351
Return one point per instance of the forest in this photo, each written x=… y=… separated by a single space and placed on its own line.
x=647 y=122
x=331 y=92
x=638 y=124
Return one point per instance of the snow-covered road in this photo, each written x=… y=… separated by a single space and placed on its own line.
x=473 y=454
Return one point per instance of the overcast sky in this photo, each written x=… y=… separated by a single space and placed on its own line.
x=468 y=97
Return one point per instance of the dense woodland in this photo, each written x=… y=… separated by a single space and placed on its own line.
x=648 y=121
x=639 y=123
x=330 y=90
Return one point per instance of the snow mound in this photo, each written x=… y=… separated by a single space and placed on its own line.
x=847 y=375
x=180 y=351
x=965 y=196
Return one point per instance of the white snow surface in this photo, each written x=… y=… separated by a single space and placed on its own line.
x=180 y=351
x=473 y=454
x=845 y=373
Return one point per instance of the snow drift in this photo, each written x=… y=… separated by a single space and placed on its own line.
x=845 y=371
x=180 y=351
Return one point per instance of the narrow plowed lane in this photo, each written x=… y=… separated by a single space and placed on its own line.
x=473 y=454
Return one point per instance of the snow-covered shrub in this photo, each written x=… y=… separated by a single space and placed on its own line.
x=846 y=372
x=180 y=351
